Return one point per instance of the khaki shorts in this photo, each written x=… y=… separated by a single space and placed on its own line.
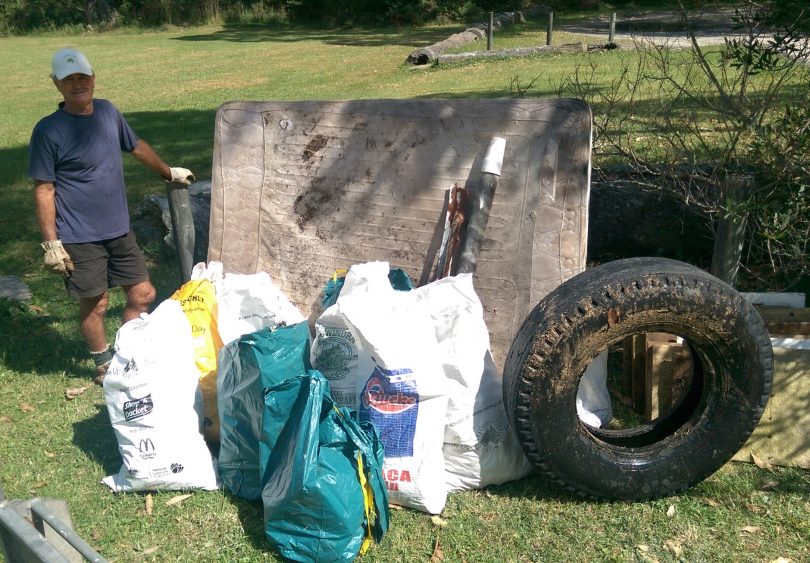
x=98 y=266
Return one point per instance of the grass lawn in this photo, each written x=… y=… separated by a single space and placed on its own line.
x=169 y=84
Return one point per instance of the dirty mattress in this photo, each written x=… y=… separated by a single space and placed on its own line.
x=300 y=189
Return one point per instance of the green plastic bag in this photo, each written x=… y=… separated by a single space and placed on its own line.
x=324 y=495
x=246 y=366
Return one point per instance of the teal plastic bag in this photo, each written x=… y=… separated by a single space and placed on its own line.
x=324 y=495
x=245 y=367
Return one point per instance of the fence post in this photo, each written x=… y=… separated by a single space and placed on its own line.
x=550 y=28
x=729 y=235
x=612 y=27
x=489 y=30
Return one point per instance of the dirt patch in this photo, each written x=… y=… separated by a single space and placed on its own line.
x=317 y=143
x=308 y=203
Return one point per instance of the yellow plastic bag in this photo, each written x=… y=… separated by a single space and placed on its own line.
x=199 y=302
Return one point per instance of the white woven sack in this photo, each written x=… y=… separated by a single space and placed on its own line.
x=336 y=354
x=151 y=391
x=405 y=396
x=251 y=302
x=480 y=448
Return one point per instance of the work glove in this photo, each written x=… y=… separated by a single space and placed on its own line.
x=182 y=176
x=56 y=258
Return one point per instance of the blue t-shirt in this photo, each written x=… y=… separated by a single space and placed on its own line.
x=81 y=155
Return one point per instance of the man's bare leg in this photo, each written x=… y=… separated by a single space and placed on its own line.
x=140 y=297
x=92 y=311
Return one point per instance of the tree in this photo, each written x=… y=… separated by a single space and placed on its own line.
x=694 y=121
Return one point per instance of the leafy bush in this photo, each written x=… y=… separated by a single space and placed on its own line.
x=27 y=15
x=779 y=208
x=693 y=121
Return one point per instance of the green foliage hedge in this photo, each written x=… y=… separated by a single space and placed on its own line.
x=24 y=16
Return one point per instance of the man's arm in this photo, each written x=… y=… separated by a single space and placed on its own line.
x=45 y=202
x=56 y=258
x=147 y=156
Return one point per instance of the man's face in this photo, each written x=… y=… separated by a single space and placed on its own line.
x=77 y=89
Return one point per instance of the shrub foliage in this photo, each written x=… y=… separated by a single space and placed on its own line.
x=22 y=16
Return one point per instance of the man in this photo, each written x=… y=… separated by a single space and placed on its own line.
x=76 y=164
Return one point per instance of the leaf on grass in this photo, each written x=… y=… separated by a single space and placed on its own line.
x=177 y=499
x=751 y=529
x=151 y=550
x=755 y=508
x=674 y=547
x=714 y=503
x=27 y=407
x=149 y=503
x=74 y=392
x=643 y=548
x=759 y=462
x=95 y=535
x=39 y=484
x=437 y=555
x=671 y=511
x=37 y=309
x=769 y=485
x=49 y=455
x=438 y=521
x=6 y=419
x=780 y=560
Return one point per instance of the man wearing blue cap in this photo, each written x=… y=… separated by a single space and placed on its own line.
x=80 y=197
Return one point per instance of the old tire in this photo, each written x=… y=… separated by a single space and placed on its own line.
x=731 y=382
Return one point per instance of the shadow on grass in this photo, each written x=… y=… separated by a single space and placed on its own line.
x=251 y=517
x=373 y=37
x=534 y=486
x=95 y=437
x=30 y=344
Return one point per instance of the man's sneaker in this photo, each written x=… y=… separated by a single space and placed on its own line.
x=101 y=371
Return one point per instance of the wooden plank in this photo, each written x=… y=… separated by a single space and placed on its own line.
x=784 y=314
x=786 y=321
x=792 y=330
x=669 y=368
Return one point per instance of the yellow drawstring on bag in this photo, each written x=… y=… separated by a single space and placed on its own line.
x=368 y=502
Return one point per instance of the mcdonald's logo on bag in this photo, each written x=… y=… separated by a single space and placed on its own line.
x=146 y=445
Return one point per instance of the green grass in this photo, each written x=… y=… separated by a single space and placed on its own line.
x=169 y=84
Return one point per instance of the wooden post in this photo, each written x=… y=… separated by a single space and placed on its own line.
x=668 y=371
x=729 y=235
x=612 y=28
x=489 y=30
x=550 y=28
x=634 y=362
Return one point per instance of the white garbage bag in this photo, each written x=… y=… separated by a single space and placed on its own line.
x=251 y=302
x=154 y=404
x=480 y=447
x=401 y=385
x=593 y=398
